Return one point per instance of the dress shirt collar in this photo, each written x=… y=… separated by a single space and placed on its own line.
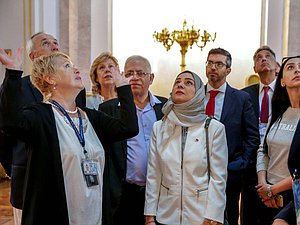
x=153 y=100
x=271 y=86
x=220 y=89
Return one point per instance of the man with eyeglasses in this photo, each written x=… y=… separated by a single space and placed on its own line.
x=265 y=65
x=13 y=154
x=134 y=167
x=233 y=108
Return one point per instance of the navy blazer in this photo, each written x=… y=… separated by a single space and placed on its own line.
x=241 y=129
x=253 y=91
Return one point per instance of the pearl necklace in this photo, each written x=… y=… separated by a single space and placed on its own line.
x=72 y=112
x=68 y=111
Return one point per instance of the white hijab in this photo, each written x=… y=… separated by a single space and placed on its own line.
x=185 y=114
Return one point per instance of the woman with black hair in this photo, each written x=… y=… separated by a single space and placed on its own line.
x=274 y=180
x=287 y=215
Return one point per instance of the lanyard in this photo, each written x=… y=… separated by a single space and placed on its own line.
x=79 y=133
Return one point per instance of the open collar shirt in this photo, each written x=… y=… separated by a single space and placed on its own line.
x=138 y=146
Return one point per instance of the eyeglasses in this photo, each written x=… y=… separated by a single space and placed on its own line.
x=285 y=59
x=219 y=65
x=139 y=74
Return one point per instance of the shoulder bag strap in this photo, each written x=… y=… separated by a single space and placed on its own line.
x=207 y=122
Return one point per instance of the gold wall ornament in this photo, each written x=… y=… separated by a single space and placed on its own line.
x=185 y=38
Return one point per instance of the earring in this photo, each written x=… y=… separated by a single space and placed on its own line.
x=283 y=85
x=54 y=86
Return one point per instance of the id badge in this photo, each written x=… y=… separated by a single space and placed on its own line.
x=90 y=172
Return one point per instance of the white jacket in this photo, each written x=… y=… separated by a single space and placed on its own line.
x=184 y=196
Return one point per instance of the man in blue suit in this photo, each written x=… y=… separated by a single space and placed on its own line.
x=233 y=108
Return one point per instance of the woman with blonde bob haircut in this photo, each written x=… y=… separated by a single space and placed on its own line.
x=187 y=167
x=64 y=174
x=104 y=67
x=46 y=66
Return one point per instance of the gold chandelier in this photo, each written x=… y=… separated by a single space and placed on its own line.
x=185 y=38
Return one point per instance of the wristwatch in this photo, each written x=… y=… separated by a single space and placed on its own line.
x=269 y=192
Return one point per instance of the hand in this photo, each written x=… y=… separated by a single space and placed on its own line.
x=149 y=220
x=119 y=78
x=209 y=222
x=11 y=62
x=270 y=203
x=262 y=191
x=205 y=222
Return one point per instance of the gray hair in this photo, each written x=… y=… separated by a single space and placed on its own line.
x=264 y=47
x=29 y=44
x=140 y=58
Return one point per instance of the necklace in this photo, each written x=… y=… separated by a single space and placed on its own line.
x=68 y=111
x=72 y=112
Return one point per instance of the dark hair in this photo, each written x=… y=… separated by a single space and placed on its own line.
x=280 y=102
x=264 y=47
x=222 y=52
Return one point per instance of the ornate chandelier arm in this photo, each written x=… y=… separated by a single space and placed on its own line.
x=206 y=38
x=164 y=38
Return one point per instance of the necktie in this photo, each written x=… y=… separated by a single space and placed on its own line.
x=210 y=107
x=264 y=111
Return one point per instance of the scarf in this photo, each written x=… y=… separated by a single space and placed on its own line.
x=185 y=114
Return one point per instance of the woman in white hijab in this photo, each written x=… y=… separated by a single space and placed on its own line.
x=180 y=187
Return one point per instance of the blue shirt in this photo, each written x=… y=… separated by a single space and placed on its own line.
x=138 y=146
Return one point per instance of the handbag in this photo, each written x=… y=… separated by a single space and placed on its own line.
x=207 y=122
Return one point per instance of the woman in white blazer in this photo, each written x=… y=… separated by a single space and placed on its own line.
x=179 y=188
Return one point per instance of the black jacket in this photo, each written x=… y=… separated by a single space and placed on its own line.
x=115 y=163
x=13 y=152
x=253 y=91
x=294 y=154
x=44 y=197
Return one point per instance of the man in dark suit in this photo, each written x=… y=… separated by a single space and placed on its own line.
x=13 y=154
x=265 y=66
x=126 y=162
x=233 y=108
